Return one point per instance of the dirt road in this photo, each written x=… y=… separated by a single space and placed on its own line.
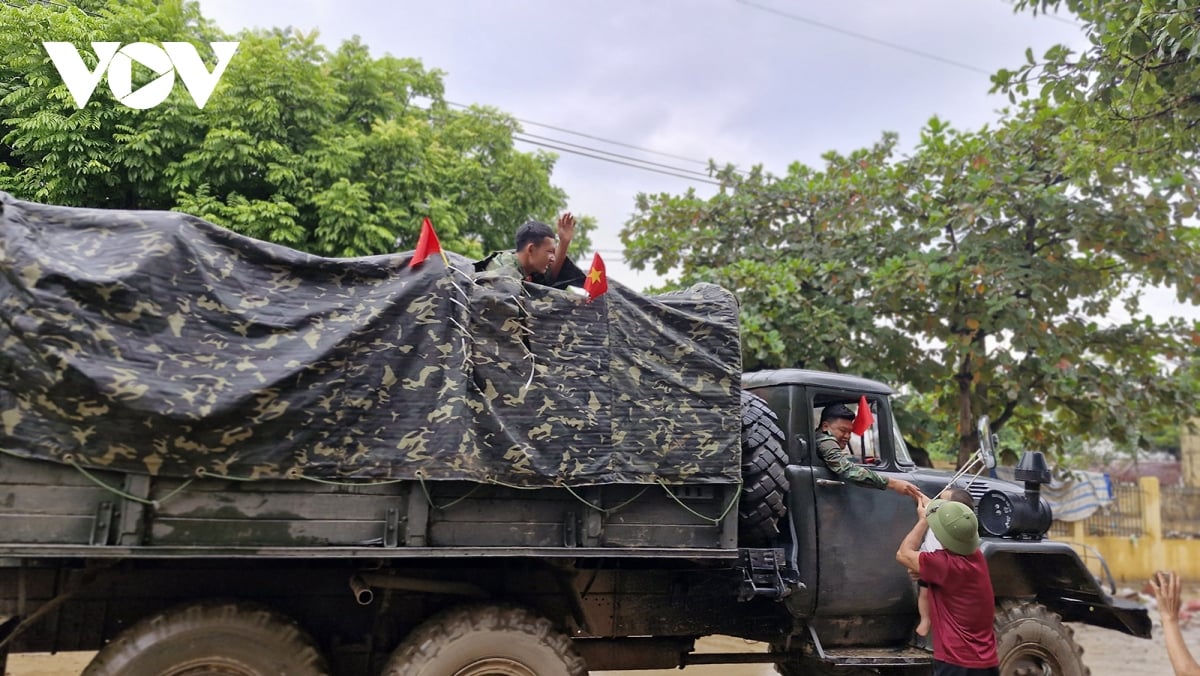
x=1106 y=652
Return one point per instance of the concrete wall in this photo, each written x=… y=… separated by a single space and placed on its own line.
x=1134 y=559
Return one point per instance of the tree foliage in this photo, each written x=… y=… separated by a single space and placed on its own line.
x=1136 y=86
x=988 y=269
x=998 y=271
x=335 y=152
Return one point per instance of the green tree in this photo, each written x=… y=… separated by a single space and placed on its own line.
x=799 y=250
x=336 y=153
x=983 y=270
x=1136 y=86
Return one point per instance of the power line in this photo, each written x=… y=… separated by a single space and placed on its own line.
x=615 y=161
x=612 y=154
x=598 y=138
x=867 y=38
x=616 y=158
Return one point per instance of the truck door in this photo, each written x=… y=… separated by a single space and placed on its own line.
x=858 y=530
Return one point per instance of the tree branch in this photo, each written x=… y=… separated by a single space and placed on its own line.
x=1009 y=407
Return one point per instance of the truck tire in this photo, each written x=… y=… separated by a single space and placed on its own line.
x=1032 y=640
x=764 y=483
x=479 y=640
x=233 y=638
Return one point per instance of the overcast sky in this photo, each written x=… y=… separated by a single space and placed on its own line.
x=744 y=81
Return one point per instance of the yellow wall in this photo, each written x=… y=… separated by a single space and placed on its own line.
x=1134 y=559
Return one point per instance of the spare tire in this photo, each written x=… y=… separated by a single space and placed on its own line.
x=764 y=483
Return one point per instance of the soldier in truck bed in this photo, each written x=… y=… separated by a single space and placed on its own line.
x=833 y=433
x=538 y=258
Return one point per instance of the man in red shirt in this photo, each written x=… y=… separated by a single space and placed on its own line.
x=961 y=599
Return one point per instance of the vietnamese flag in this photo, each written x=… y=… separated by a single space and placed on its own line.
x=427 y=244
x=863 y=418
x=596 y=282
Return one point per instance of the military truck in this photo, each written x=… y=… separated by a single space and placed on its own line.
x=222 y=456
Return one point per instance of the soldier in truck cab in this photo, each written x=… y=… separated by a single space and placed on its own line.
x=539 y=258
x=833 y=434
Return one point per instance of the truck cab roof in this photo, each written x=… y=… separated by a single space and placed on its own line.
x=773 y=377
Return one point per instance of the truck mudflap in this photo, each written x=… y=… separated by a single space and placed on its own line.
x=1052 y=573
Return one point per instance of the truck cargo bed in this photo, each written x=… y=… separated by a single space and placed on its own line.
x=51 y=509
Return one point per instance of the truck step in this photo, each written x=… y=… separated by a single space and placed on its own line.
x=766 y=572
x=877 y=657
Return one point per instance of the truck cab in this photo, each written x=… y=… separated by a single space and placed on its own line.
x=842 y=539
x=844 y=536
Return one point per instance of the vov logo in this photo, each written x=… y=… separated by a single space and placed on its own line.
x=117 y=61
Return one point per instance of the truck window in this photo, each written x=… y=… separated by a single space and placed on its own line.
x=865 y=449
x=902 y=455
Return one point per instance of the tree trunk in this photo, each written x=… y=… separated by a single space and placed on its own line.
x=968 y=440
x=968 y=437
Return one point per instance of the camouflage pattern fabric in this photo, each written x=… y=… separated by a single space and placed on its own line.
x=158 y=343
x=506 y=262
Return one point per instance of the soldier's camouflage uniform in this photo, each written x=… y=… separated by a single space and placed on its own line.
x=839 y=462
x=506 y=263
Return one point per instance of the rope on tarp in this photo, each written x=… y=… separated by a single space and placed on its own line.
x=420 y=476
x=714 y=521
x=123 y=494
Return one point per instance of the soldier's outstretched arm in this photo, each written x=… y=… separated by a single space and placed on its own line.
x=840 y=464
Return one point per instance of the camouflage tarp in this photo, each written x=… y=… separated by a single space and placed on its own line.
x=159 y=343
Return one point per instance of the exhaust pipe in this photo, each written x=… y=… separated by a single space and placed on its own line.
x=362 y=591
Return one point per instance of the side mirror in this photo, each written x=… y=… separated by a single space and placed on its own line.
x=987 y=443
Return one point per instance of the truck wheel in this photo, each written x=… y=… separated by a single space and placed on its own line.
x=228 y=638
x=1032 y=640
x=764 y=483
x=484 y=640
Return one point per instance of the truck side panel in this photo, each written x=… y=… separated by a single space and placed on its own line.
x=43 y=503
x=47 y=503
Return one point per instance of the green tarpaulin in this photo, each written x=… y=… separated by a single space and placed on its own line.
x=156 y=342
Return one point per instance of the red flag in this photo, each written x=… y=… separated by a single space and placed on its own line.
x=863 y=418
x=427 y=244
x=596 y=282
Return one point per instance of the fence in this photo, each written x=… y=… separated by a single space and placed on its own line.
x=1121 y=517
x=1145 y=528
